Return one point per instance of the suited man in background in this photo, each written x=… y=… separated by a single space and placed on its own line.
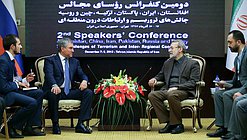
x=61 y=71
x=180 y=74
x=223 y=99
x=11 y=89
x=238 y=120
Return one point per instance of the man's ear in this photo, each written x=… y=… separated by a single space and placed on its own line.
x=239 y=42
x=12 y=46
x=180 y=49
x=62 y=49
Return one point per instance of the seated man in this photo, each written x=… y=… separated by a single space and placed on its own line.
x=238 y=120
x=223 y=99
x=61 y=71
x=11 y=89
x=180 y=74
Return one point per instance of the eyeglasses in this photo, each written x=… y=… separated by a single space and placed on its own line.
x=172 y=48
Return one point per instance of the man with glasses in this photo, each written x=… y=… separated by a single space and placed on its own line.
x=180 y=74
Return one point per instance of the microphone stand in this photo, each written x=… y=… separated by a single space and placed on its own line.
x=96 y=124
x=92 y=73
x=145 y=75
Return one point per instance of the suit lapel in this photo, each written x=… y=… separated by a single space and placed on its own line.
x=70 y=68
x=185 y=62
x=12 y=67
x=59 y=63
x=183 y=66
x=243 y=56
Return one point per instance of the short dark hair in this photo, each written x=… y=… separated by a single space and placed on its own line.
x=63 y=43
x=237 y=35
x=8 y=40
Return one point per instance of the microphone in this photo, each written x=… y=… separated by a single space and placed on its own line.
x=144 y=75
x=92 y=73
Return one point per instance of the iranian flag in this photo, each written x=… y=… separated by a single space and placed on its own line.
x=238 y=22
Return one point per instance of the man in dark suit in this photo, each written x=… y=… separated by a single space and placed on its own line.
x=223 y=99
x=180 y=74
x=61 y=71
x=11 y=89
x=238 y=119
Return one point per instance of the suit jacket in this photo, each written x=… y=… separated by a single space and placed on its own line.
x=54 y=73
x=190 y=74
x=242 y=73
x=6 y=75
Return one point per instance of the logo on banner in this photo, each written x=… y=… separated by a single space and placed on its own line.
x=242 y=22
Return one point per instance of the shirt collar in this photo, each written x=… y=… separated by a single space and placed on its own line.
x=180 y=60
x=240 y=54
x=10 y=55
x=61 y=57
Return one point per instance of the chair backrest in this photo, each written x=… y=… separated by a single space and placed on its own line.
x=202 y=64
x=39 y=66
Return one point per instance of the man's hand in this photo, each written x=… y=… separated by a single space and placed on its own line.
x=171 y=89
x=83 y=85
x=152 y=82
x=30 y=77
x=221 y=83
x=22 y=85
x=236 y=95
x=56 y=90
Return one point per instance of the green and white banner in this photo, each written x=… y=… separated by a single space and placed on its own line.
x=238 y=22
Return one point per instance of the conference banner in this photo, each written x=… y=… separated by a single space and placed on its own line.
x=113 y=28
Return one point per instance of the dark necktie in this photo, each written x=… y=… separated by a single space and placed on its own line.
x=67 y=77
